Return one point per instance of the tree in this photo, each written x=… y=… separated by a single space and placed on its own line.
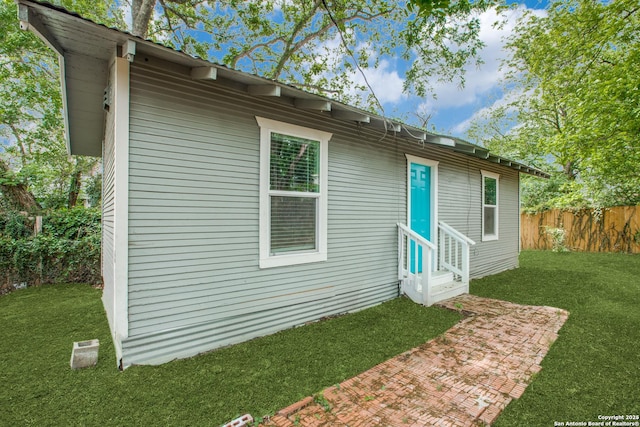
x=16 y=194
x=35 y=170
x=24 y=98
x=573 y=100
x=445 y=36
x=319 y=45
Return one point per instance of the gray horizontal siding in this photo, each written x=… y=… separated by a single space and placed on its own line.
x=193 y=339
x=460 y=205
x=194 y=281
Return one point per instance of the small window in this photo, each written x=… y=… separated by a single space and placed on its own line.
x=490 y=199
x=293 y=194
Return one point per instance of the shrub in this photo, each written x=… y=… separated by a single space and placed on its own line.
x=15 y=225
x=558 y=236
x=67 y=249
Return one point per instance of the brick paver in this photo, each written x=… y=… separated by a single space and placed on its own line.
x=465 y=377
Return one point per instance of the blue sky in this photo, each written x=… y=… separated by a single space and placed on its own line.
x=454 y=108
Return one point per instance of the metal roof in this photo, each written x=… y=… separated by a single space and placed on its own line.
x=85 y=49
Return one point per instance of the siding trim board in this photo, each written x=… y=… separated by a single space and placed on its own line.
x=115 y=226
x=108 y=193
x=121 y=208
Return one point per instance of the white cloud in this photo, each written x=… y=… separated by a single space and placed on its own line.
x=278 y=5
x=385 y=82
x=463 y=126
x=484 y=112
x=479 y=82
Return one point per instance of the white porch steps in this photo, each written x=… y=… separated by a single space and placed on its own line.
x=441 y=277
x=450 y=258
x=443 y=287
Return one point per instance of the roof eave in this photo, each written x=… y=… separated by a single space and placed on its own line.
x=84 y=122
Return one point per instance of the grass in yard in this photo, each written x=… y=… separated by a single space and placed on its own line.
x=38 y=327
x=592 y=369
x=594 y=366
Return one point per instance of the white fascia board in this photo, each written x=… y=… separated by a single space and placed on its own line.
x=312 y=104
x=443 y=140
x=386 y=125
x=65 y=102
x=350 y=116
x=29 y=21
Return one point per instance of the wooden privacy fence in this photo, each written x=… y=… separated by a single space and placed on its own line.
x=604 y=230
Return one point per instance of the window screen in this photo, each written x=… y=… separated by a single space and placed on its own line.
x=294 y=169
x=489 y=205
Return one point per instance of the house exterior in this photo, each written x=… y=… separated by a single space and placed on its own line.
x=235 y=206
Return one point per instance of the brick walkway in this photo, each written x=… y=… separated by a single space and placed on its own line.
x=465 y=377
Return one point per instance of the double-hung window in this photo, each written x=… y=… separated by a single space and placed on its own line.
x=293 y=194
x=490 y=199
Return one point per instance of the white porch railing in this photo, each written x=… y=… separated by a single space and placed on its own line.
x=454 y=252
x=416 y=259
x=429 y=274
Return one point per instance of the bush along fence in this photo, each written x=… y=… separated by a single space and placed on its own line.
x=64 y=249
x=614 y=229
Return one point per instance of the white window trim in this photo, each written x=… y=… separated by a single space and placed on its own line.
x=490 y=237
x=267 y=126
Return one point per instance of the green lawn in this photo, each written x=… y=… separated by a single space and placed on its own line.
x=38 y=327
x=592 y=369
x=594 y=366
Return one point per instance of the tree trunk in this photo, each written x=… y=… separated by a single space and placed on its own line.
x=569 y=170
x=74 y=187
x=141 y=10
x=16 y=192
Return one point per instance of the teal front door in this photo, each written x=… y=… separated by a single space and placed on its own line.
x=420 y=209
